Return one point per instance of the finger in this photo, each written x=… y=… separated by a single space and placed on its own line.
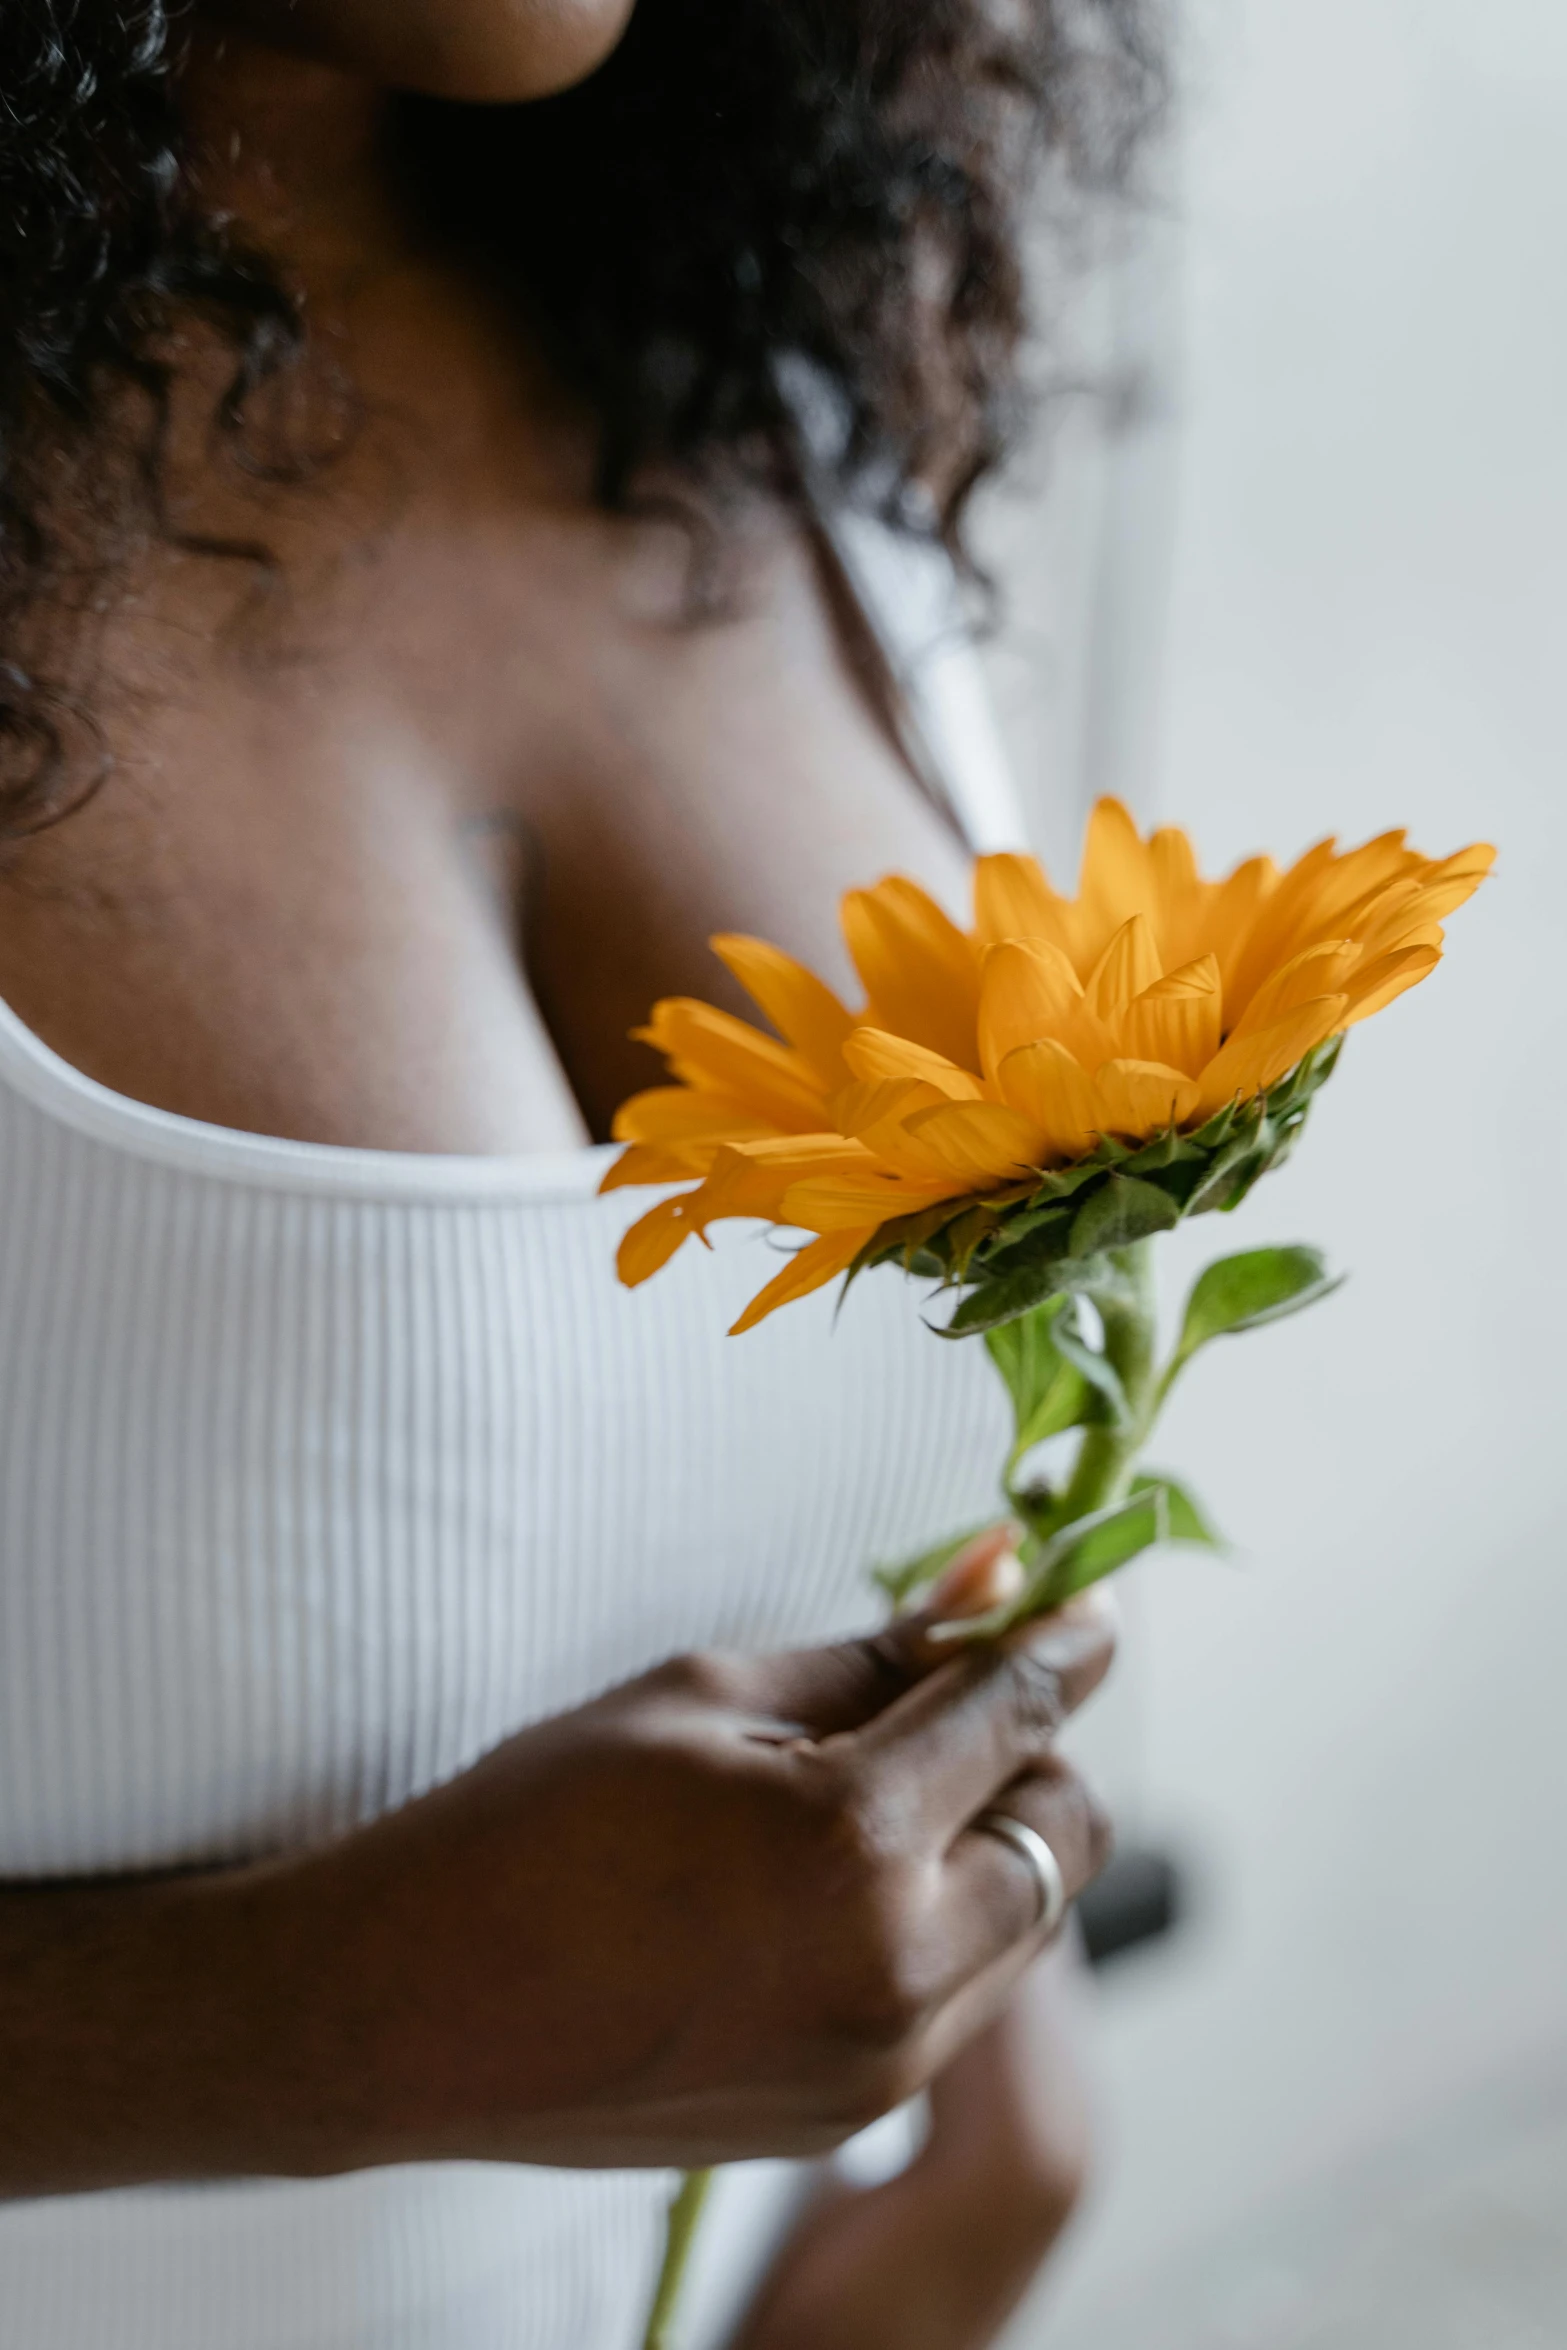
x=986 y=1913
x=990 y=1896
x=937 y=1755
x=820 y=1691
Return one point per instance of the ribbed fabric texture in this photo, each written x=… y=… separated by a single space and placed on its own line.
x=320 y=1473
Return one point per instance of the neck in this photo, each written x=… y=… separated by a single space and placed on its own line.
x=292 y=150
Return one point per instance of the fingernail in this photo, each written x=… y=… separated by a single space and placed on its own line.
x=987 y=1573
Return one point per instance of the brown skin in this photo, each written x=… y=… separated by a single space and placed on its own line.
x=735 y=1907
x=485 y=50
x=938 y=2258
x=299 y=908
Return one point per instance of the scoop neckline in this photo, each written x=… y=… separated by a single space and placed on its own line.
x=33 y=1069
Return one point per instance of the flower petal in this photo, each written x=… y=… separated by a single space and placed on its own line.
x=983 y=1143
x=1318 y=899
x=1398 y=915
x=871 y=1102
x=652 y=1241
x=834 y=1203
x=1028 y=990
x=651 y=1162
x=1471 y=865
x=875 y=1053
x=1013 y=899
x=1177 y=1021
x=685 y=1113
x=717 y=1052
x=874 y=1114
x=1117 y=880
x=920 y=971
x=1142 y=1098
x=751 y=1179
x=1379 y=982
x=819 y=1262
x=1129 y=965
x=801 y=1007
x=1055 y=1093
x=1320 y=970
x=1249 y=1064
x=1234 y=913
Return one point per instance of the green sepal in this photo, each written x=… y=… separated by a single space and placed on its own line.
x=1168 y=1150
x=1053 y=1234
x=1122 y=1210
x=994 y=1303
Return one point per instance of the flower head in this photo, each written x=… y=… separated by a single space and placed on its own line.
x=1149 y=1045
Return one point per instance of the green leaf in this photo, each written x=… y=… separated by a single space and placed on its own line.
x=1065 y=1404
x=1099 y=1372
x=1188 y=1521
x=1048 y=1393
x=1093 y=1547
x=1124 y=1209
x=1245 y=1292
x=908 y=1577
x=1024 y=1352
x=1140 y=1524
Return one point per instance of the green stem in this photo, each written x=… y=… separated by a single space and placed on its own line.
x=1108 y=1453
x=685 y=2213
x=1108 y=1450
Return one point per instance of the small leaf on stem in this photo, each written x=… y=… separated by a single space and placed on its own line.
x=904 y=1581
x=1244 y=1292
x=1188 y=1522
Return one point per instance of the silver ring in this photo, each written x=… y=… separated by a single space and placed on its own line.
x=1043 y=1865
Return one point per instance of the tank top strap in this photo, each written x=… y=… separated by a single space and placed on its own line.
x=929 y=681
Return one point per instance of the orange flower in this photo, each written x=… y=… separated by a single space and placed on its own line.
x=1054 y=1032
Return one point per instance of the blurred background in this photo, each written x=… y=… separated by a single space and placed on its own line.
x=1294 y=559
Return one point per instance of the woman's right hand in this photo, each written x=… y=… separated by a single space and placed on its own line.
x=736 y=1907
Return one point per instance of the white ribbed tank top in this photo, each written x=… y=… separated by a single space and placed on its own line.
x=321 y=1471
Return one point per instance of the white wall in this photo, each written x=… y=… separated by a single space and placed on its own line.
x=1358 y=1727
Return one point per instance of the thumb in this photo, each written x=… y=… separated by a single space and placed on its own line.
x=820 y=1691
x=987 y=1573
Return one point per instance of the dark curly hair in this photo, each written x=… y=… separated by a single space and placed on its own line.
x=745 y=190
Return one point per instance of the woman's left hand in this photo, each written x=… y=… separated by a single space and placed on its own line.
x=939 y=2257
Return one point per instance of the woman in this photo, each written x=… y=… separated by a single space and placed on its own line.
x=421 y=629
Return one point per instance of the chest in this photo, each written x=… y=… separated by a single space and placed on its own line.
x=409 y=881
